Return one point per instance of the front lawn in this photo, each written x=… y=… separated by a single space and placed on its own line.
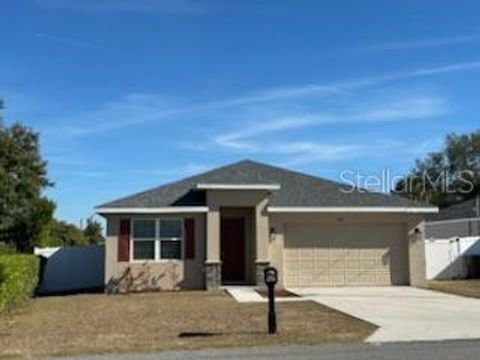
x=470 y=288
x=170 y=320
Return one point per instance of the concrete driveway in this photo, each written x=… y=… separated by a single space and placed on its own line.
x=404 y=313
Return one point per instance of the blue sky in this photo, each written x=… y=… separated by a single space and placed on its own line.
x=129 y=94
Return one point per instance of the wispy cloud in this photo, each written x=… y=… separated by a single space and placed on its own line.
x=271 y=122
x=144 y=6
x=301 y=152
x=138 y=109
x=238 y=139
x=342 y=87
x=423 y=43
x=403 y=109
x=131 y=110
x=83 y=174
x=309 y=147
x=406 y=75
x=65 y=159
x=425 y=147
x=313 y=153
x=68 y=41
x=283 y=93
x=378 y=110
x=174 y=172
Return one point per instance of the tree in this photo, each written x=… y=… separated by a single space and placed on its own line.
x=24 y=212
x=93 y=231
x=446 y=176
x=61 y=233
x=65 y=234
x=2 y=106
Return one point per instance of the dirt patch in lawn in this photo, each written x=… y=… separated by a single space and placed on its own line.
x=470 y=288
x=158 y=321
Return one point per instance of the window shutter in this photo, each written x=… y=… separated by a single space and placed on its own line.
x=189 y=238
x=124 y=240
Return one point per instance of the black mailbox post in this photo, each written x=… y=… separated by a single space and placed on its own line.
x=270 y=275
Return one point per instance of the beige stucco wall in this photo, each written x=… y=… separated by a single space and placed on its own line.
x=262 y=228
x=164 y=274
x=416 y=250
x=412 y=253
x=257 y=200
x=213 y=235
x=261 y=245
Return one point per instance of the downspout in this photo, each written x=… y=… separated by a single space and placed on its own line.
x=455 y=259
x=477 y=206
x=462 y=260
x=477 y=213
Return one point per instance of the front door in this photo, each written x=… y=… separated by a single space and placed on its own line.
x=233 y=249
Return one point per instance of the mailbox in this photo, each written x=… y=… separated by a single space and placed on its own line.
x=270 y=275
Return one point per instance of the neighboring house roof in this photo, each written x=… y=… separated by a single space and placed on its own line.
x=462 y=210
x=295 y=190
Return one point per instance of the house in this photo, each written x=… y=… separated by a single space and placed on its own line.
x=458 y=220
x=226 y=225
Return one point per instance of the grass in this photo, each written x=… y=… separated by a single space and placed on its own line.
x=160 y=321
x=470 y=288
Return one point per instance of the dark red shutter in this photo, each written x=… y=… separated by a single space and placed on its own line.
x=189 y=238
x=124 y=240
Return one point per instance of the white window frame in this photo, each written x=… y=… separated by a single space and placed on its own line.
x=158 y=240
x=132 y=241
x=181 y=239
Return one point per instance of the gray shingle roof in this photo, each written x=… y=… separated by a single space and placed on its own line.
x=462 y=210
x=297 y=189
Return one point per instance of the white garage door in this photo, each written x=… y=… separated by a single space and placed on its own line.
x=342 y=255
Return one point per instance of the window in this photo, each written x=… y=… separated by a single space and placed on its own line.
x=157 y=239
x=144 y=239
x=144 y=250
x=170 y=239
x=144 y=229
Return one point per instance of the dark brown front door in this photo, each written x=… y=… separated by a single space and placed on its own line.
x=233 y=249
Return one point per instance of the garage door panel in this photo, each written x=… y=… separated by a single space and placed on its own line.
x=360 y=279
x=338 y=265
x=352 y=264
x=383 y=279
x=321 y=265
x=367 y=262
x=331 y=255
x=351 y=256
x=367 y=254
x=336 y=279
x=323 y=253
x=305 y=271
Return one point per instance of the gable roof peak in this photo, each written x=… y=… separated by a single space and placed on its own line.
x=297 y=189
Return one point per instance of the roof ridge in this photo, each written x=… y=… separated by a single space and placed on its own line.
x=296 y=172
x=250 y=170
x=332 y=182
x=189 y=178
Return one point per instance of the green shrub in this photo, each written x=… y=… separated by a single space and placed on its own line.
x=18 y=279
x=6 y=248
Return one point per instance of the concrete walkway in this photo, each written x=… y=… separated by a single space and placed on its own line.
x=247 y=294
x=403 y=313
x=243 y=294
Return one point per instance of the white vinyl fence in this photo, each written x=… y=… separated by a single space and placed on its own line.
x=446 y=258
x=73 y=268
